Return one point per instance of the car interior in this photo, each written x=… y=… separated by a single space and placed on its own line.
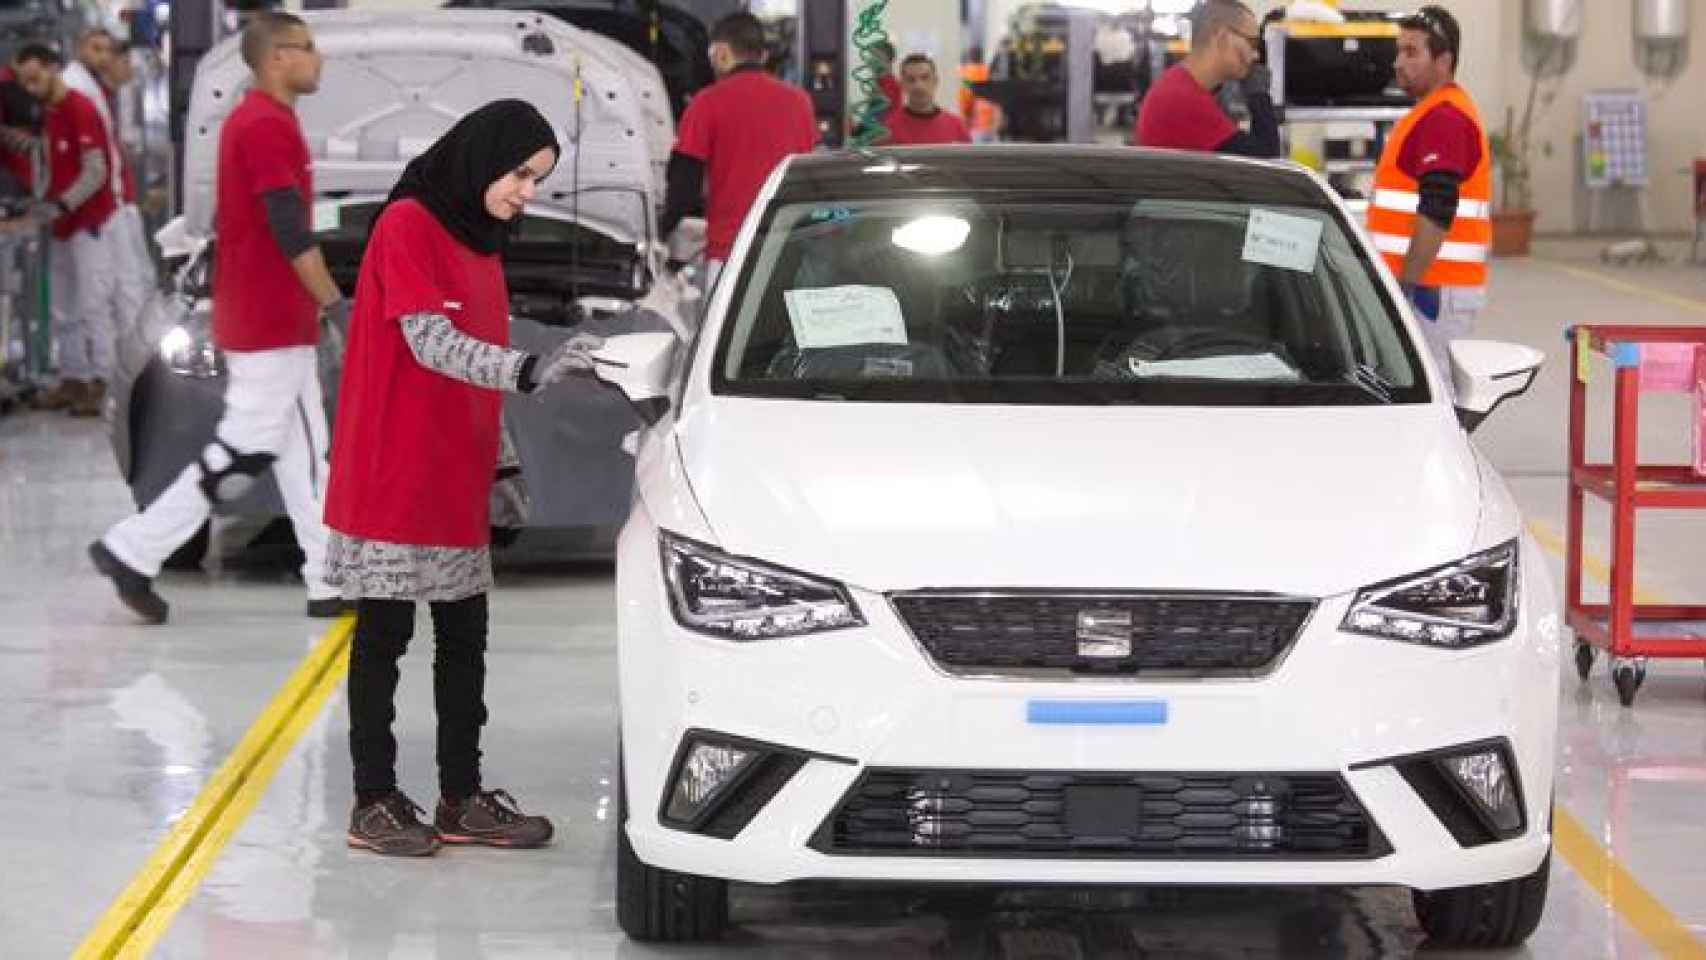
x=1096 y=293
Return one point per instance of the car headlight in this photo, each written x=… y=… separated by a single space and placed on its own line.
x=744 y=600
x=1463 y=604
x=189 y=354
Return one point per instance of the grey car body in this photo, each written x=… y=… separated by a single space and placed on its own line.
x=392 y=84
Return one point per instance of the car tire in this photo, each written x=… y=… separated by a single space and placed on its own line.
x=1486 y=916
x=654 y=905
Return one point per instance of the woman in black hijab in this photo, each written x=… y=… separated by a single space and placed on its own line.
x=420 y=473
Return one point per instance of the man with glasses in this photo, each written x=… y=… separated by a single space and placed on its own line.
x=1180 y=111
x=271 y=290
x=1429 y=216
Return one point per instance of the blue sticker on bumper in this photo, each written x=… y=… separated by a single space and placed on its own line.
x=1097 y=712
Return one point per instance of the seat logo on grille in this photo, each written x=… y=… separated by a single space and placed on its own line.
x=1104 y=633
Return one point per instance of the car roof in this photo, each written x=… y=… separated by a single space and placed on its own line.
x=1054 y=170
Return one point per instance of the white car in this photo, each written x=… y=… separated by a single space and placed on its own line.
x=1075 y=515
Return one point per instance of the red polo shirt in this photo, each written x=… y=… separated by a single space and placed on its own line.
x=1178 y=113
x=1444 y=139
x=938 y=126
x=741 y=127
x=258 y=301
x=413 y=450
x=71 y=127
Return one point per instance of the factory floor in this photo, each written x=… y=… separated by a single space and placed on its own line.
x=111 y=731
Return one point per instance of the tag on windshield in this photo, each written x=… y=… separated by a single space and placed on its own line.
x=1279 y=240
x=844 y=316
x=326 y=216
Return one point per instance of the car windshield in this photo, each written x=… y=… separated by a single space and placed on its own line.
x=1128 y=299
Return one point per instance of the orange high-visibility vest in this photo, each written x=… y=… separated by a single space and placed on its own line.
x=1462 y=260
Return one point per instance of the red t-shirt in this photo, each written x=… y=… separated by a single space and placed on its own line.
x=1443 y=139
x=906 y=127
x=741 y=127
x=258 y=301
x=414 y=451
x=17 y=162
x=71 y=127
x=1178 y=113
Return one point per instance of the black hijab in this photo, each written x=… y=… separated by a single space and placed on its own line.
x=451 y=178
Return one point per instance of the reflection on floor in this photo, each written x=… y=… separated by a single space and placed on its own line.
x=110 y=729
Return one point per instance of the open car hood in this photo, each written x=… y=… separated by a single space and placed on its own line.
x=394 y=82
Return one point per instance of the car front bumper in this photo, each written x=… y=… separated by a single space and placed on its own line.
x=868 y=699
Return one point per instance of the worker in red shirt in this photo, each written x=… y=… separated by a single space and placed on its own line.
x=1180 y=111
x=917 y=119
x=886 y=82
x=271 y=292
x=419 y=460
x=731 y=137
x=86 y=307
x=1430 y=216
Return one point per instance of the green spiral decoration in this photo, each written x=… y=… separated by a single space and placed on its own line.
x=868 y=34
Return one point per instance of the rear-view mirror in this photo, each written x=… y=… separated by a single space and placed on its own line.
x=638 y=364
x=1486 y=373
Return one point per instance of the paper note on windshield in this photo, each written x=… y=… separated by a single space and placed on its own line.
x=327 y=216
x=1279 y=240
x=1242 y=366
x=844 y=316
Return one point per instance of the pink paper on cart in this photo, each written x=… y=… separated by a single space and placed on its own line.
x=1699 y=430
x=1668 y=367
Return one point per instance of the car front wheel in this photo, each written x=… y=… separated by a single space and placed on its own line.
x=1485 y=916
x=662 y=905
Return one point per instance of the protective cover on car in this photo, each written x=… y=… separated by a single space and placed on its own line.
x=393 y=82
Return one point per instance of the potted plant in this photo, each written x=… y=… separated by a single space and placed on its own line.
x=1513 y=215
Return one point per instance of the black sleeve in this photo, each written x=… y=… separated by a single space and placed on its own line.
x=287 y=215
x=1262 y=142
x=686 y=196
x=1439 y=190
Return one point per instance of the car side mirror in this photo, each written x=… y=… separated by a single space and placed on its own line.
x=1486 y=373
x=638 y=364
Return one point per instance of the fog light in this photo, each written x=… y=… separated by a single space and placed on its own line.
x=1484 y=775
x=708 y=769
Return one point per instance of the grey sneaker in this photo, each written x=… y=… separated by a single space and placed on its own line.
x=392 y=826
x=491 y=817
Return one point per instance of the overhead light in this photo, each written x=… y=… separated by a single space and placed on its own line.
x=932 y=235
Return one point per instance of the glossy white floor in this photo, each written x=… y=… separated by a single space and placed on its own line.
x=110 y=729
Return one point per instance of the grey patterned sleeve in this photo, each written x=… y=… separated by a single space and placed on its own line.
x=440 y=347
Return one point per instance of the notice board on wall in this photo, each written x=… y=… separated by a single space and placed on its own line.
x=1614 y=139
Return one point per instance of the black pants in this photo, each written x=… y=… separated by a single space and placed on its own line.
x=383 y=629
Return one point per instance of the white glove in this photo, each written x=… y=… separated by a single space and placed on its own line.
x=687 y=240
x=573 y=355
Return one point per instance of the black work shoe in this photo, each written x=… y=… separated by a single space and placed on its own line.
x=392 y=826
x=491 y=817
x=329 y=608
x=134 y=590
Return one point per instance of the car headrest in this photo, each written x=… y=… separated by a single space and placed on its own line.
x=1184 y=271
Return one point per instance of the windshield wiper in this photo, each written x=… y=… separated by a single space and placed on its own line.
x=1369 y=381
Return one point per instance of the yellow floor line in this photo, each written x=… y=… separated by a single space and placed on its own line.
x=1663 y=930
x=1640 y=909
x=143 y=911
x=1624 y=286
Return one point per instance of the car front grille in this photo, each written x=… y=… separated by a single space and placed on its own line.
x=1192 y=634
x=1183 y=816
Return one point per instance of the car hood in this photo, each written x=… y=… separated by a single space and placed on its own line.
x=393 y=82
x=1306 y=501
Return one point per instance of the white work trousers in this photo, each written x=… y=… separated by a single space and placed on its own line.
x=138 y=269
x=1458 y=308
x=272 y=405
x=96 y=294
